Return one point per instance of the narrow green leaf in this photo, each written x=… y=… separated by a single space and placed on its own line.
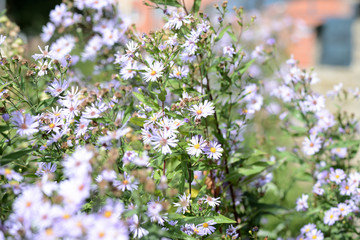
x=14 y=156
x=343 y=144
x=232 y=36
x=219 y=219
x=222 y=32
x=246 y=66
x=196 y=6
x=138 y=121
x=162 y=96
x=149 y=102
x=173 y=3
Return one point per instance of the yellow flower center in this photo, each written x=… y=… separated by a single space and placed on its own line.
x=347 y=187
x=205 y=225
x=7 y=171
x=51 y=125
x=107 y=214
x=125 y=182
x=66 y=216
x=213 y=150
x=178 y=73
x=314 y=237
x=101 y=234
x=49 y=232
x=197 y=146
x=331 y=216
x=199 y=112
x=153 y=73
x=342 y=209
x=337 y=176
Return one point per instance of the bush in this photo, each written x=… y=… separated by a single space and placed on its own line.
x=188 y=132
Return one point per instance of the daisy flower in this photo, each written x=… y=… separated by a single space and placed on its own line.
x=45 y=168
x=315 y=103
x=54 y=125
x=206 y=228
x=136 y=229
x=202 y=110
x=163 y=140
x=301 y=203
x=57 y=87
x=183 y=204
x=25 y=123
x=153 y=72
x=331 y=216
x=214 y=150
x=340 y=152
x=337 y=176
x=315 y=234
x=44 y=53
x=129 y=70
x=231 y=230
x=196 y=146
x=131 y=48
x=347 y=188
x=47 y=32
x=212 y=202
x=311 y=145
x=126 y=184
x=343 y=209
x=179 y=72
x=146 y=135
x=229 y=51
x=307 y=228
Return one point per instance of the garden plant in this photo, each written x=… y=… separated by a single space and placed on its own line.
x=203 y=129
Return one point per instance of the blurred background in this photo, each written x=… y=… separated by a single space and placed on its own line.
x=331 y=43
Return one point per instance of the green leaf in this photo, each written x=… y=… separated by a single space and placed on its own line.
x=5 y=85
x=343 y=144
x=162 y=96
x=196 y=6
x=219 y=219
x=182 y=183
x=246 y=66
x=4 y=128
x=173 y=3
x=14 y=156
x=138 y=121
x=149 y=102
x=222 y=32
x=255 y=169
x=232 y=36
x=46 y=103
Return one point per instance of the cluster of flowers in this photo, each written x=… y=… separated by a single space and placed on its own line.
x=93 y=26
x=332 y=187
x=160 y=131
x=131 y=192
x=50 y=209
x=75 y=117
x=309 y=104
